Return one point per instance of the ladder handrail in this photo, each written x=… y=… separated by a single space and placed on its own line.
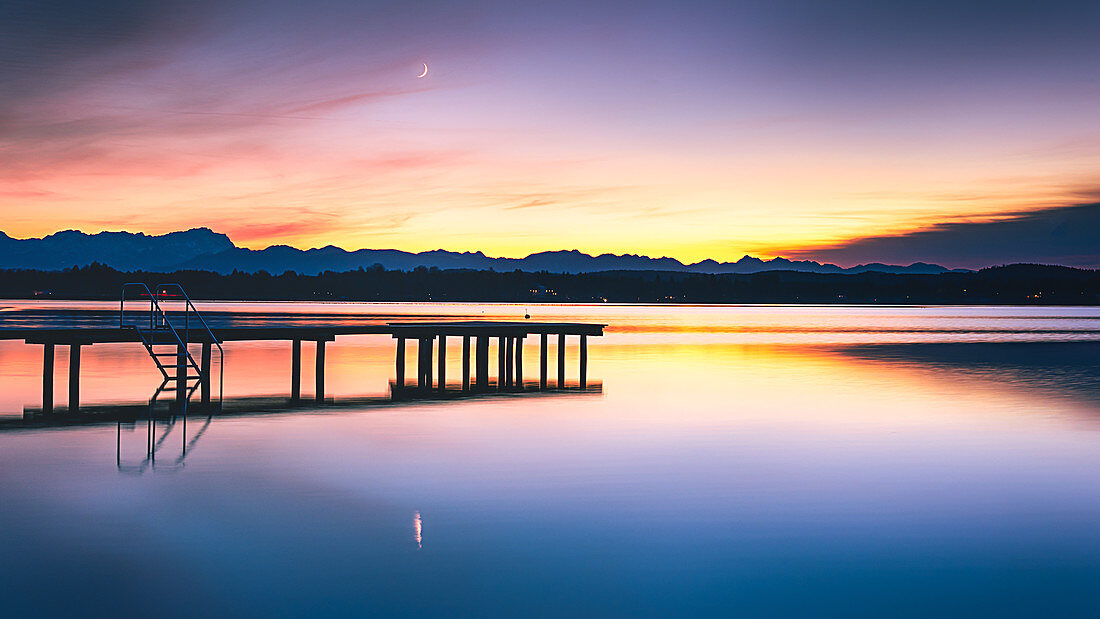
x=157 y=317
x=156 y=312
x=189 y=306
x=122 y=304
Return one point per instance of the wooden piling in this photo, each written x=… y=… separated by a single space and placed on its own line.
x=584 y=362
x=400 y=363
x=429 y=343
x=296 y=370
x=509 y=357
x=502 y=361
x=482 y=375
x=442 y=369
x=519 y=362
x=543 y=369
x=420 y=363
x=47 y=377
x=319 y=391
x=465 y=362
x=74 y=378
x=561 y=361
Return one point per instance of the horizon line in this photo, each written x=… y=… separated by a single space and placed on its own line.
x=479 y=252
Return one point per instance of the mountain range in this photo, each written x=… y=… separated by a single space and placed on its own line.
x=204 y=249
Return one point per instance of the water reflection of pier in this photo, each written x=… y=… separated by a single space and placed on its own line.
x=153 y=444
x=161 y=423
x=257 y=406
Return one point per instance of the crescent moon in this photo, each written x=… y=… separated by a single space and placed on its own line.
x=425 y=70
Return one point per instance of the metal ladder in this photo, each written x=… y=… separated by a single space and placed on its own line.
x=168 y=343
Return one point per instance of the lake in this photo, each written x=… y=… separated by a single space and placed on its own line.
x=737 y=460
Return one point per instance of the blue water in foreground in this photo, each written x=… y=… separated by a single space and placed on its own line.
x=750 y=461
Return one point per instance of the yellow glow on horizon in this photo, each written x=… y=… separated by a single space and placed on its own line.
x=511 y=201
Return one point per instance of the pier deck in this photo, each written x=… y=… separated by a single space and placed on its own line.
x=430 y=336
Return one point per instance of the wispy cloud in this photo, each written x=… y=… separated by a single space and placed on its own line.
x=657 y=127
x=336 y=103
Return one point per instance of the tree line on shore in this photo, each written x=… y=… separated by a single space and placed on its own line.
x=1014 y=284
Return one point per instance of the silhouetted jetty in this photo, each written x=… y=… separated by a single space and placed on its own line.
x=432 y=339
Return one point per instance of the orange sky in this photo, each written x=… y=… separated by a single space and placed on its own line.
x=652 y=134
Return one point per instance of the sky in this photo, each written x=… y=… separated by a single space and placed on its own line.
x=686 y=129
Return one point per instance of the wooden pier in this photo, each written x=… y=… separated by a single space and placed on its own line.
x=432 y=340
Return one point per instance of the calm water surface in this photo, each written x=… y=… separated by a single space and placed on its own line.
x=759 y=461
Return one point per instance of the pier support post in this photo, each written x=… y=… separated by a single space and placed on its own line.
x=429 y=344
x=320 y=372
x=47 y=378
x=296 y=370
x=519 y=362
x=561 y=361
x=584 y=362
x=424 y=363
x=465 y=362
x=543 y=370
x=420 y=363
x=442 y=366
x=181 y=377
x=400 y=363
x=74 y=378
x=206 y=352
x=509 y=362
x=482 y=362
x=502 y=362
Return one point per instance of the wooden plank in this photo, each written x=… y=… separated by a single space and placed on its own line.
x=96 y=335
x=492 y=329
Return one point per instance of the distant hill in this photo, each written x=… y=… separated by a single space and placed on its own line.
x=121 y=250
x=1011 y=285
x=204 y=249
